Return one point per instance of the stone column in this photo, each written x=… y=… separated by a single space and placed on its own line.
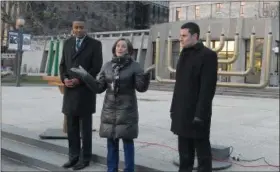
x=171 y=14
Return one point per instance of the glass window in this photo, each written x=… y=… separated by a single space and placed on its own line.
x=175 y=56
x=218 y=7
x=178 y=13
x=254 y=78
x=265 y=9
x=197 y=11
x=242 y=4
x=211 y=44
x=226 y=53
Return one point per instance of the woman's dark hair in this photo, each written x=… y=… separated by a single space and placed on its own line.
x=128 y=43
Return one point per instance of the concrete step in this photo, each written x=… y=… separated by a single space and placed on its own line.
x=26 y=146
x=248 y=95
x=261 y=93
x=249 y=92
x=49 y=155
x=9 y=164
x=32 y=155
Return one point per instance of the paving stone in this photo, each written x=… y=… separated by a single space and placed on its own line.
x=250 y=125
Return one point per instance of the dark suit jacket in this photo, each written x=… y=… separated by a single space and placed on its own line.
x=80 y=100
x=195 y=86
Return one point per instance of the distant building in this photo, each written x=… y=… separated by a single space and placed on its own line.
x=141 y=15
x=180 y=11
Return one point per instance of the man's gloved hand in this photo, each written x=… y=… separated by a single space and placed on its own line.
x=197 y=122
x=171 y=115
x=81 y=72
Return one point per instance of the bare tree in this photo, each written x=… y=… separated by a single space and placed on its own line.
x=6 y=17
x=102 y=16
x=54 y=17
x=40 y=17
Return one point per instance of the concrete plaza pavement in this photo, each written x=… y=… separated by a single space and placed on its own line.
x=250 y=125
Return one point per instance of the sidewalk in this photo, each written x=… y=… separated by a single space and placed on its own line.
x=250 y=125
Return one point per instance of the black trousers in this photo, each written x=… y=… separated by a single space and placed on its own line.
x=74 y=125
x=187 y=148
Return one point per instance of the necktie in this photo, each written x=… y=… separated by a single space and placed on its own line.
x=78 y=41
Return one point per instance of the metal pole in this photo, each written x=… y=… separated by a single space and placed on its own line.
x=278 y=56
x=19 y=55
x=278 y=66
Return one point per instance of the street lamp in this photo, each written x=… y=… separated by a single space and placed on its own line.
x=19 y=26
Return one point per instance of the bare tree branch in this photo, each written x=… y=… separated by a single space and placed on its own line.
x=55 y=17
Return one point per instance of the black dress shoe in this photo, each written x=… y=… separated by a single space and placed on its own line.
x=81 y=165
x=70 y=163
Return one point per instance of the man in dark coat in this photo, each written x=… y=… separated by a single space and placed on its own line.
x=79 y=102
x=191 y=107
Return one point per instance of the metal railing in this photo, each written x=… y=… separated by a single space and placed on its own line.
x=97 y=34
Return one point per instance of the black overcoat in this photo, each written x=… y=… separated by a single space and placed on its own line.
x=195 y=86
x=80 y=100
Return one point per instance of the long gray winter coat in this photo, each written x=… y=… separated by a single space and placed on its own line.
x=119 y=117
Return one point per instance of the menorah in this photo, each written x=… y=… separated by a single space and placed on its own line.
x=222 y=152
x=267 y=58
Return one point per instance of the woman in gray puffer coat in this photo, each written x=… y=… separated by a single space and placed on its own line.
x=120 y=77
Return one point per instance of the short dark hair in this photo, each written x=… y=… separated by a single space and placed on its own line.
x=80 y=19
x=192 y=27
x=128 y=43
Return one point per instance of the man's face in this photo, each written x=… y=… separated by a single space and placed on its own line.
x=187 y=39
x=79 y=29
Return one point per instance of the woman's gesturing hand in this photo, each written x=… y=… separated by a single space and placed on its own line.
x=81 y=72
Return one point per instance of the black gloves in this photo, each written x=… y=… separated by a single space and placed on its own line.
x=81 y=72
x=197 y=122
x=149 y=69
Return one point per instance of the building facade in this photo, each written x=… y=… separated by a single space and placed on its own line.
x=244 y=11
x=142 y=15
x=181 y=11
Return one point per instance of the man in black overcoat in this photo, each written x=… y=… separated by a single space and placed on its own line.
x=79 y=102
x=191 y=107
